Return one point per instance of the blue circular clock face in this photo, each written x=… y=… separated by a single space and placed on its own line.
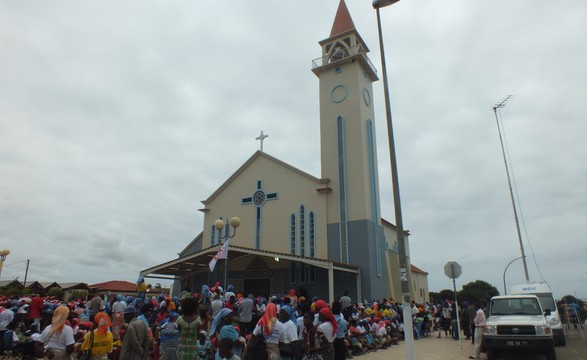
x=259 y=198
x=339 y=93
x=367 y=97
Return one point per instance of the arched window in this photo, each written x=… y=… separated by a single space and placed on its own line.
x=312 y=235
x=292 y=248
x=292 y=234
x=302 y=231
x=212 y=234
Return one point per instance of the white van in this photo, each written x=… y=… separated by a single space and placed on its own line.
x=544 y=294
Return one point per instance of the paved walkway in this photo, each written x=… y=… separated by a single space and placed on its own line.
x=429 y=348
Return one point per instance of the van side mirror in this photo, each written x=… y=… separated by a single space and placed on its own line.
x=547 y=312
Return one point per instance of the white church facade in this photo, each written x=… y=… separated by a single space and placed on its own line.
x=321 y=236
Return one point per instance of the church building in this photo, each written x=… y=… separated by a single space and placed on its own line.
x=319 y=235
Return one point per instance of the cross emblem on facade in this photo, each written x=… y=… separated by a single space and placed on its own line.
x=258 y=199
x=261 y=138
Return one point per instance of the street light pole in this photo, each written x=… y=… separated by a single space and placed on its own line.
x=3 y=254
x=507 y=171
x=234 y=222
x=404 y=261
x=505 y=289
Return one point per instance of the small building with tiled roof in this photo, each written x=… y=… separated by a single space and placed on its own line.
x=420 y=284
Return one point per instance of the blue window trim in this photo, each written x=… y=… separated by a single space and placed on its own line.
x=342 y=203
x=374 y=198
x=302 y=217
x=312 y=234
x=292 y=234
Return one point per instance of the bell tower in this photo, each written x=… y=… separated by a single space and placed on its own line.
x=348 y=151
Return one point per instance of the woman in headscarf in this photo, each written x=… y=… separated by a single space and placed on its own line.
x=57 y=338
x=326 y=332
x=118 y=316
x=189 y=324
x=168 y=332
x=272 y=330
x=222 y=328
x=99 y=341
x=293 y=297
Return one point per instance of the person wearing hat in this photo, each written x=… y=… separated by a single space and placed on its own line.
x=136 y=343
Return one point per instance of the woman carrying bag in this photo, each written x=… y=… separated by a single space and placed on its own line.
x=57 y=338
x=99 y=342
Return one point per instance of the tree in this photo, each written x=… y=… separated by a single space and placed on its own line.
x=445 y=294
x=56 y=292
x=79 y=294
x=477 y=291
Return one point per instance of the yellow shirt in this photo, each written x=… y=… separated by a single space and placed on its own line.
x=102 y=343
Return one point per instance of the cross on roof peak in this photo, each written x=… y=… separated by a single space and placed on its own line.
x=261 y=138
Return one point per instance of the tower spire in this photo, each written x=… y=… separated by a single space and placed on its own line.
x=342 y=21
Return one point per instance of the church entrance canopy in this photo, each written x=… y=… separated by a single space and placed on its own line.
x=197 y=263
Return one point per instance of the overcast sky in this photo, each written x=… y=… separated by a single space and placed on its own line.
x=118 y=117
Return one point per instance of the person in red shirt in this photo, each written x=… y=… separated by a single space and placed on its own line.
x=36 y=306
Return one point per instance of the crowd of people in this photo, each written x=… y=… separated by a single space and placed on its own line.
x=213 y=323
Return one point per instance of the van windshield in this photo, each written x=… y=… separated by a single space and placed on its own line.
x=515 y=306
x=547 y=301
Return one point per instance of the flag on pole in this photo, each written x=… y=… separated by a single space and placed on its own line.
x=224 y=250
x=221 y=254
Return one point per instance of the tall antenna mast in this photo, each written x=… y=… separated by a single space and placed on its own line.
x=500 y=105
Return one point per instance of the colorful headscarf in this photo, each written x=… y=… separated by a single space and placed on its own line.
x=289 y=310
x=59 y=318
x=103 y=321
x=230 y=332
x=319 y=305
x=269 y=318
x=327 y=314
x=221 y=315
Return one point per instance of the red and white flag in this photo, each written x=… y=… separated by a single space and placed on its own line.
x=221 y=254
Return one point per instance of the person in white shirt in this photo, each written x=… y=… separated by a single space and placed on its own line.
x=289 y=349
x=272 y=329
x=479 y=325
x=327 y=330
x=6 y=317
x=58 y=337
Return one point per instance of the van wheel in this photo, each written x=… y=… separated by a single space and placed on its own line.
x=492 y=354
x=562 y=341
x=550 y=354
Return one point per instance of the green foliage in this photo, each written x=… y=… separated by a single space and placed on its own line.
x=12 y=291
x=57 y=292
x=79 y=294
x=477 y=291
x=445 y=294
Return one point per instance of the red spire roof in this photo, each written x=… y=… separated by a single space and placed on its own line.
x=343 y=21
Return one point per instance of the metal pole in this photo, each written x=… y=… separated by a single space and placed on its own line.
x=507 y=171
x=454 y=287
x=226 y=267
x=26 y=272
x=505 y=289
x=404 y=262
